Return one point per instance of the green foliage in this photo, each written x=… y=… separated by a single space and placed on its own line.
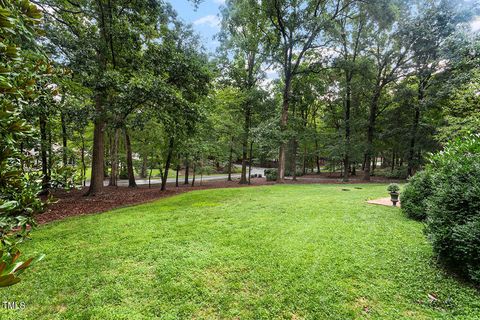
x=393 y=187
x=205 y=169
x=447 y=195
x=65 y=177
x=397 y=173
x=11 y=268
x=453 y=220
x=19 y=200
x=123 y=173
x=271 y=174
x=415 y=194
x=289 y=173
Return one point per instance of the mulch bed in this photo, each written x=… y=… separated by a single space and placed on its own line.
x=74 y=203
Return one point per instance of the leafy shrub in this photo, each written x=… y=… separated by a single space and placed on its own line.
x=65 y=178
x=289 y=173
x=397 y=173
x=19 y=200
x=453 y=220
x=393 y=187
x=123 y=174
x=11 y=268
x=205 y=170
x=415 y=194
x=271 y=174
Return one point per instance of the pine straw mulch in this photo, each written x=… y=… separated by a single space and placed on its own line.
x=75 y=203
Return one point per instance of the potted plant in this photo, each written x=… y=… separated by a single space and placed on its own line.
x=393 y=189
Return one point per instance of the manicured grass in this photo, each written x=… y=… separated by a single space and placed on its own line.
x=289 y=251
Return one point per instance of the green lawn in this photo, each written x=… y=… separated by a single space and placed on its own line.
x=290 y=251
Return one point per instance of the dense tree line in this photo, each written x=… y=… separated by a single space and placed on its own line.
x=358 y=81
x=366 y=86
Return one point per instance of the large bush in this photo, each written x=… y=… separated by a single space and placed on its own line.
x=19 y=190
x=397 y=173
x=453 y=220
x=289 y=173
x=271 y=174
x=415 y=194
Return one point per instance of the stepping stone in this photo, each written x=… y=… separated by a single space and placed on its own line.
x=383 y=202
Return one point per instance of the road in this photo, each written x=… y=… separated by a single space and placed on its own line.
x=219 y=177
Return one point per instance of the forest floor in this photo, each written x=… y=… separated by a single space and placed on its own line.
x=74 y=203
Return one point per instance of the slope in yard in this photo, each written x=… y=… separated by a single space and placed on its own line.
x=289 y=251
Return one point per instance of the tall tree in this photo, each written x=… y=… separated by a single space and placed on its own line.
x=434 y=24
x=349 y=38
x=100 y=41
x=244 y=53
x=390 y=58
x=297 y=30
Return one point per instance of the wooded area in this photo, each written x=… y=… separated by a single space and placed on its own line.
x=125 y=87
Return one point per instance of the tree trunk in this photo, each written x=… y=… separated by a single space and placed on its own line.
x=304 y=168
x=96 y=180
x=370 y=135
x=50 y=152
x=283 y=128
x=143 y=171
x=128 y=147
x=374 y=165
x=176 y=178
x=416 y=122
x=114 y=159
x=250 y=162
x=84 y=166
x=348 y=101
x=167 y=164
x=64 y=139
x=230 y=159
x=413 y=136
x=150 y=177
x=98 y=156
x=43 y=153
x=193 y=177
x=293 y=166
x=317 y=157
x=105 y=161
x=246 y=129
x=186 y=171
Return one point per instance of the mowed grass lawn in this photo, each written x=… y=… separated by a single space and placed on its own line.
x=273 y=252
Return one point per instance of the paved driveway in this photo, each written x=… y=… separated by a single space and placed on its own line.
x=156 y=180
